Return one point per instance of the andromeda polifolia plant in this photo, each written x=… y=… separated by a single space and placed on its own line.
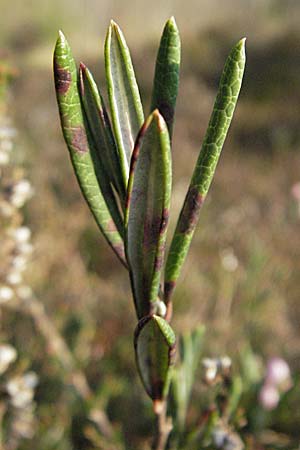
x=123 y=164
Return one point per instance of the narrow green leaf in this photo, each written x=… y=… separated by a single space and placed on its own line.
x=101 y=132
x=101 y=166
x=183 y=377
x=235 y=393
x=155 y=346
x=166 y=79
x=74 y=131
x=220 y=120
x=123 y=93
x=147 y=211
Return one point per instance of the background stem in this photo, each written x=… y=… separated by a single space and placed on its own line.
x=163 y=429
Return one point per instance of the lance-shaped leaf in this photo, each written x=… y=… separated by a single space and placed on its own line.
x=224 y=106
x=123 y=93
x=166 y=79
x=101 y=166
x=101 y=131
x=74 y=131
x=190 y=348
x=155 y=346
x=147 y=211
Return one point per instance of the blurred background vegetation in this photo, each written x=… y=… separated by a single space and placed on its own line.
x=242 y=276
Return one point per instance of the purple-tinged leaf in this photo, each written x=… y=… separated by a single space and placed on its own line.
x=155 y=346
x=76 y=136
x=147 y=211
x=229 y=88
x=166 y=79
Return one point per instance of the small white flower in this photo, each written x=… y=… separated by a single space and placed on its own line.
x=23 y=187
x=21 y=389
x=7 y=132
x=14 y=278
x=210 y=369
x=224 y=438
x=22 y=191
x=229 y=260
x=7 y=355
x=30 y=379
x=6 y=294
x=4 y=158
x=219 y=436
x=21 y=398
x=21 y=234
x=225 y=362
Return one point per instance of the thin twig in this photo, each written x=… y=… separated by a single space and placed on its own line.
x=163 y=427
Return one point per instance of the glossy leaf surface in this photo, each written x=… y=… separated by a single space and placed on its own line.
x=123 y=93
x=155 y=350
x=78 y=142
x=101 y=131
x=220 y=120
x=147 y=211
x=166 y=79
x=97 y=145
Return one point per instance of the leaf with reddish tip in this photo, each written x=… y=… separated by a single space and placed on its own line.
x=147 y=211
x=166 y=79
x=101 y=132
x=123 y=93
x=155 y=346
x=220 y=120
x=78 y=142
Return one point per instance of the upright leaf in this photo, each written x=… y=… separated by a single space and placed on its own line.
x=147 y=211
x=190 y=348
x=101 y=166
x=154 y=343
x=220 y=120
x=99 y=125
x=166 y=79
x=123 y=93
x=74 y=131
